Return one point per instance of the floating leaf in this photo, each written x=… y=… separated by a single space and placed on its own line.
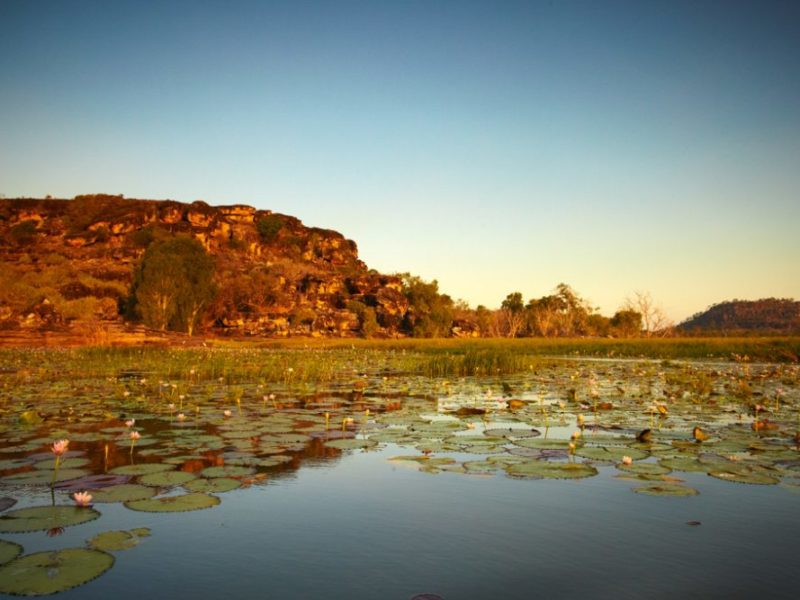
x=67 y=463
x=143 y=469
x=123 y=493
x=538 y=469
x=227 y=471
x=40 y=477
x=610 y=454
x=6 y=503
x=91 y=482
x=183 y=503
x=745 y=476
x=113 y=541
x=644 y=468
x=52 y=572
x=666 y=489
x=9 y=551
x=42 y=518
x=215 y=485
x=351 y=444
x=166 y=478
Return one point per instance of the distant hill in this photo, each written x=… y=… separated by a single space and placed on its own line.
x=769 y=315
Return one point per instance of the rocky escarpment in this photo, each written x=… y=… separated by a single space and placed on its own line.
x=65 y=262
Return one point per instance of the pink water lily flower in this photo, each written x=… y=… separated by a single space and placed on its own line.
x=181 y=416
x=135 y=435
x=130 y=423
x=626 y=460
x=83 y=499
x=227 y=413
x=60 y=447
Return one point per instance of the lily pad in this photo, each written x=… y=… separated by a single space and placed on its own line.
x=610 y=453
x=666 y=489
x=124 y=492
x=9 y=551
x=351 y=444
x=745 y=476
x=644 y=468
x=539 y=469
x=42 y=518
x=6 y=503
x=215 y=485
x=40 y=477
x=143 y=469
x=51 y=572
x=67 y=463
x=227 y=471
x=113 y=541
x=183 y=503
x=167 y=478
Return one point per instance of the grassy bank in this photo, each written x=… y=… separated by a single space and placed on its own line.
x=310 y=361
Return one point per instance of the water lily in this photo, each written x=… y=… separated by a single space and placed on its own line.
x=576 y=434
x=130 y=423
x=82 y=499
x=626 y=460
x=134 y=435
x=181 y=417
x=59 y=448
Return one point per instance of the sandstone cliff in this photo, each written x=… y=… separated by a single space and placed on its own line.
x=69 y=262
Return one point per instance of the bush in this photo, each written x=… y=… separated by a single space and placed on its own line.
x=268 y=228
x=23 y=233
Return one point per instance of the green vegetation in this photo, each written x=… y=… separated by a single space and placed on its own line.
x=269 y=227
x=173 y=285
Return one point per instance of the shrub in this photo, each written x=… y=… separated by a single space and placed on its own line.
x=268 y=228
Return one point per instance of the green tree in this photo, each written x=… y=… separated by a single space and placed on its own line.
x=268 y=228
x=430 y=314
x=173 y=284
x=627 y=323
x=513 y=312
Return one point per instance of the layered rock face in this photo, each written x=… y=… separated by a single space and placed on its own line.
x=69 y=261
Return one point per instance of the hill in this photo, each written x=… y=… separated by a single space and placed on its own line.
x=769 y=315
x=71 y=263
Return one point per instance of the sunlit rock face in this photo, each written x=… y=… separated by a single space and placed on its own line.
x=275 y=276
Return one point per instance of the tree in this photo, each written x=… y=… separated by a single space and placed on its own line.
x=173 y=284
x=627 y=323
x=513 y=312
x=653 y=318
x=430 y=314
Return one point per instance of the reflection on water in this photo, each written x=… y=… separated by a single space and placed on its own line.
x=381 y=487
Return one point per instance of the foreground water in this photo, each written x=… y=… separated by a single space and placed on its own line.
x=415 y=496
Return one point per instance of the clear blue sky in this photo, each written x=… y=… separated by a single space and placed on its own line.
x=494 y=146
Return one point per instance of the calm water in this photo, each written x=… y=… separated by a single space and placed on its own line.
x=355 y=525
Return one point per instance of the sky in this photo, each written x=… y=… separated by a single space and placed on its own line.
x=493 y=146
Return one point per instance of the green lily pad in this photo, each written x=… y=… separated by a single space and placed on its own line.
x=644 y=468
x=183 y=503
x=143 y=469
x=227 y=471
x=9 y=551
x=745 y=476
x=123 y=492
x=74 y=462
x=113 y=541
x=610 y=453
x=539 y=469
x=215 y=485
x=666 y=489
x=51 y=572
x=41 y=477
x=167 y=478
x=351 y=444
x=42 y=518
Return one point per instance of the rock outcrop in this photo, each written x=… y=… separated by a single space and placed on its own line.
x=72 y=261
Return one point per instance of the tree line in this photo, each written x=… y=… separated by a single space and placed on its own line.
x=174 y=288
